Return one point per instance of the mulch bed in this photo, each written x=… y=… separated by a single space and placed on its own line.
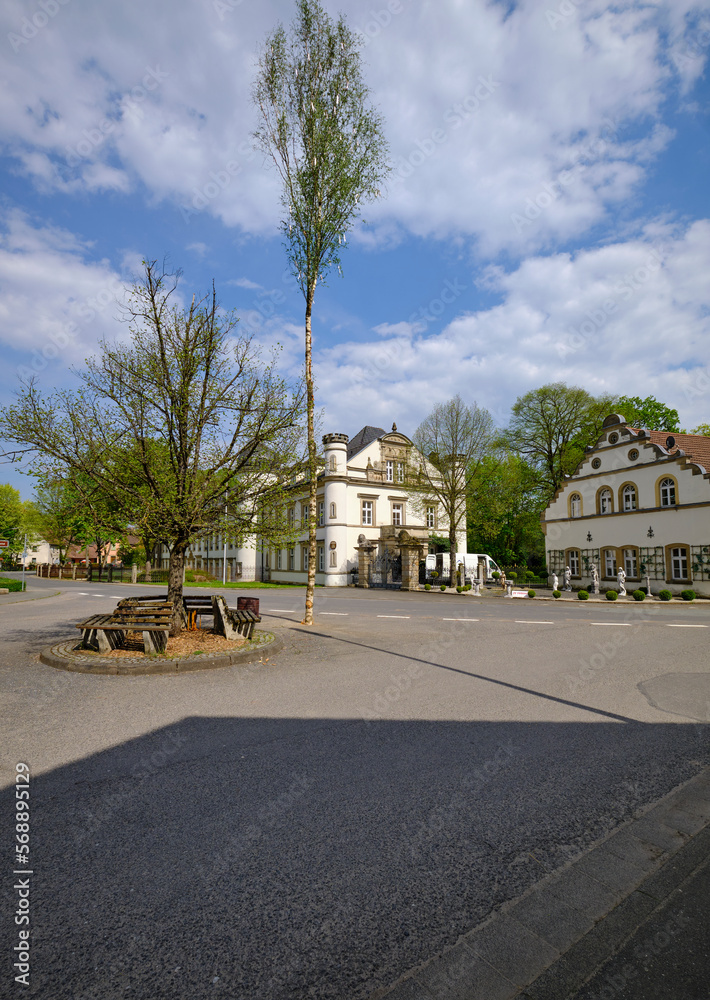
x=200 y=640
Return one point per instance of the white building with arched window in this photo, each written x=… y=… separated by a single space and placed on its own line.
x=639 y=500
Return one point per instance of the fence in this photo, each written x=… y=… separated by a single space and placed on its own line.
x=102 y=574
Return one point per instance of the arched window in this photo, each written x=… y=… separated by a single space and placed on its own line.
x=667 y=490
x=628 y=497
x=606 y=502
x=333 y=511
x=575 y=505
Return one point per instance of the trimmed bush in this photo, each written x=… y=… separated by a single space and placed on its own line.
x=467 y=587
x=583 y=595
x=611 y=595
x=459 y=590
x=688 y=595
x=427 y=586
x=531 y=593
x=638 y=595
x=495 y=574
x=665 y=595
x=434 y=575
x=556 y=594
x=11 y=585
x=529 y=574
x=442 y=587
x=512 y=575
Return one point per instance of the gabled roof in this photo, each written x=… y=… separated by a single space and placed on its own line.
x=695 y=446
x=364 y=437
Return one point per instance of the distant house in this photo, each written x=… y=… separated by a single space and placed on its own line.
x=639 y=500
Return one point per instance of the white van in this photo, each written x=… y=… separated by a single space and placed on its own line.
x=439 y=562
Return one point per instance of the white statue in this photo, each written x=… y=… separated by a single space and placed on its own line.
x=595 y=578
x=568 y=578
x=621 y=580
x=555 y=581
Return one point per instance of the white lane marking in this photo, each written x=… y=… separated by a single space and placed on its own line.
x=285 y=611
x=529 y=621
x=672 y=625
x=99 y=595
x=394 y=616
x=459 y=619
x=625 y=624
x=83 y=593
x=342 y=614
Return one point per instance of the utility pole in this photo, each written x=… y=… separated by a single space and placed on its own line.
x=24 y=561
x=224 y=556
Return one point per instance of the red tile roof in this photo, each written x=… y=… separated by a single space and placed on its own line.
x=695 y=446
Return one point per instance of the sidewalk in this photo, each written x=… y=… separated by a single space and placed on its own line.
x=627 y=920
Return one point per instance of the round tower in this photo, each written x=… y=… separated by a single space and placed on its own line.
x=336 y=509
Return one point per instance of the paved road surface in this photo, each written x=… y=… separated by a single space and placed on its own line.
x=319 y=824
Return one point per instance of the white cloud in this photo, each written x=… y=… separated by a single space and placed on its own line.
x=627 y=318
x=485 y=109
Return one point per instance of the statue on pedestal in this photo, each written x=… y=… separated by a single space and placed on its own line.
x=555 y=582
x=568 y=579
x=621 y=580
x=595 y=578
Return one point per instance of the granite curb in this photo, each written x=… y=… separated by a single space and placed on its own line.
x=548 y=943
x=17 y=596
x=64 y=656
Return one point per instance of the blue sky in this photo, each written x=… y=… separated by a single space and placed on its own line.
x=547 y=217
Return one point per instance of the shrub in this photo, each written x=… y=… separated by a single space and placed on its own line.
x=688 y=595
x=531 y=593
x=467 y=587
x=556 y=594
x=434 y=575
x=427 y=586
x=512 y=575
x=459 y=590
x=442 y=587
x=11 y=585
x=611 y=595
x=495 y=574
x=583 y=595
x=665 y=595
x=638 y=595
x=529 y=574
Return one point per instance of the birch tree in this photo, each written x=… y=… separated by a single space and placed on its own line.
x=317 y=126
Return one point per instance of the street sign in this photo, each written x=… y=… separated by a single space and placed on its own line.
x=4 y=543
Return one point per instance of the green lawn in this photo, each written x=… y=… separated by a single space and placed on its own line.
x=247 y=585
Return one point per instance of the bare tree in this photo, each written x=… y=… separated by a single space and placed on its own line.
x=450 y=445
x=329 y=150
x=173 y=427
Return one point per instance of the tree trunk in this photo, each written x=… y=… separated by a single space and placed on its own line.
x=175 y=574
x=312 y=466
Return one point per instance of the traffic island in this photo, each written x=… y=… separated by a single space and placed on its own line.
x=69 y=655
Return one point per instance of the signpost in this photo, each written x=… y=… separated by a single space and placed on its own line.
x=4 y=543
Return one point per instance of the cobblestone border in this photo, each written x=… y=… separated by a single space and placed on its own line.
x=66 y=656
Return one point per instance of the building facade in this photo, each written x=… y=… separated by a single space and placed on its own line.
x=639 y=500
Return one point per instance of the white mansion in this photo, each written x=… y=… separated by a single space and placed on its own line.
x=639 y=500
x=360 y=492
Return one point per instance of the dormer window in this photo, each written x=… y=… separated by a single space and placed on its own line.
x=400 y=472
x=389 y=471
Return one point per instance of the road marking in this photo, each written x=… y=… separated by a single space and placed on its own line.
x=83 y=593
x=459 y=619
x=342 y=614
x=672 y=625
x=98 y=595
x=626 y=624
x=527 y=621
x=394 y=616
x=285 y=611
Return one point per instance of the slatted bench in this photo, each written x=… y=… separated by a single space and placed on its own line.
x=107 y=632
x=228 y=621
x=244 y=621
x=196 y=605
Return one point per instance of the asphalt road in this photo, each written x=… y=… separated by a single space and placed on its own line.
x=316 y=825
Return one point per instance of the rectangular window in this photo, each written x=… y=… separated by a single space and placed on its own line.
x=321 y=512
x=397 y=514
x=367 y=511
x=321 y=558
x=291 y=558
x=305 y=557
x=390 y=471
x=291 y=515
x=609 y=563
x=431 y=517
x=573 y=556
x=679 y=564
x=278 y=559
x=305 y=511
x=630 y=564
x=400 y=472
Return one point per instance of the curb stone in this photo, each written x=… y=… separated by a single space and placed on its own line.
x=547 y=943
x=65 y=656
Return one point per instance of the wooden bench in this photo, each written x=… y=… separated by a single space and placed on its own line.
x=107 y=632
x=196 y=605
x=228 y=621
x=245 y=621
